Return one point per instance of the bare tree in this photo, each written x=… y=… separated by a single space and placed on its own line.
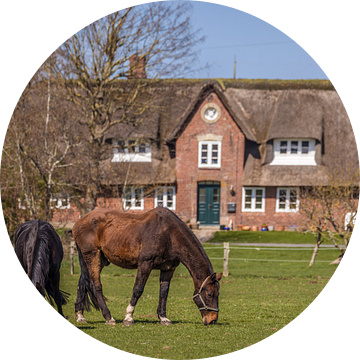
x=103 y=68
x=35 y=149
x=329 y=211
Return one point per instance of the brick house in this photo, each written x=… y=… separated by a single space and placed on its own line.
x=232 y=151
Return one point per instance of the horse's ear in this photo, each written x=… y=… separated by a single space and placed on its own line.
x=212 y=278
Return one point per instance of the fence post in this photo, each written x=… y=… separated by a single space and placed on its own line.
x=226 y=259
x=72 y=246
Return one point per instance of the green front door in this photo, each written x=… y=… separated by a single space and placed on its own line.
x=209 y=203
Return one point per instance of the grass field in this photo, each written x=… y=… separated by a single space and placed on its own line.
x=280 y=237
x=256 y=300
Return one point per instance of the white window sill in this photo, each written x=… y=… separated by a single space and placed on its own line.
x=294 y=162
x=209 y=167
x=287 y=211
x=132 y=157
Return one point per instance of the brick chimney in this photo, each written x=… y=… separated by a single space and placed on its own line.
x=137 y=67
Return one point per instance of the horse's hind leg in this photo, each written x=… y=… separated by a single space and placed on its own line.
x=55 y=280
x=89 y=285
x=81 y=298
x=144 y=270
x=165 y=278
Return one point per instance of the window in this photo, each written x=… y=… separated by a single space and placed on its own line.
x=350 y=219
x=294 y=147
x=283 y=147
x=305 y=147
x=61 y=202
x=294 y=152
x=287 y=200
x=253 y=199
x=165 y=197
x=21 y=203
x=131 y=151
x=210 y=154
x=133 y=199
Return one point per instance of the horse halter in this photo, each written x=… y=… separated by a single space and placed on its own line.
x=199 y=295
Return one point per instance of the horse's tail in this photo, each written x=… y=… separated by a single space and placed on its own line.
x=86 y=290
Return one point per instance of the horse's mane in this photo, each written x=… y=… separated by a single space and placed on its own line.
x=192 y=235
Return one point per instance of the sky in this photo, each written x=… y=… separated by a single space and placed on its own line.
x=261 y=50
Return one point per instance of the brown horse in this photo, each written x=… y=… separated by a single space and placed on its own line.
x=157 y=239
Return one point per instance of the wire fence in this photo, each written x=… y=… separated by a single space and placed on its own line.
x=70 y=251
x=226 y=258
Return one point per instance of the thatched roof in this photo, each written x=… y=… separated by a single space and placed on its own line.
x=263 y=110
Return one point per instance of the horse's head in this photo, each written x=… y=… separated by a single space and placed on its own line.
x=207 y=299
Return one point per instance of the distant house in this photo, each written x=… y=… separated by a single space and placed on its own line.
x=231 y=150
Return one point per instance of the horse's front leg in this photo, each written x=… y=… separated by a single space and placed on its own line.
x=143 y=272
x=165 y=278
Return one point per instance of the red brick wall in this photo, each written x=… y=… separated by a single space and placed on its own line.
x=73 y=214
x=270 y=217
x=232 y=158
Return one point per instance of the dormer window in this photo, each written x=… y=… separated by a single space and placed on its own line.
x=294 y=152
x=131 y=151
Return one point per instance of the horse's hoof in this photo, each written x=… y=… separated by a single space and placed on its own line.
x=166 y=323
x=128 y=323
x=80 y=317
x=110 y=322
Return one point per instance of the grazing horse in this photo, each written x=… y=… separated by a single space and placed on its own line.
x=40 y=252
x=157 y=239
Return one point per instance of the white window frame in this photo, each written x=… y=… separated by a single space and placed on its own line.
x=133 y=200
x=164 y=190
x=59 y=202
x=299 y=158
x=209 y=155
x=21 y=204
x=253 y=199
x=350 y=219
x=128 y=156
x=287 y=201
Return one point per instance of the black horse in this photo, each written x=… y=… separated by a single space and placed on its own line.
x=40 y=252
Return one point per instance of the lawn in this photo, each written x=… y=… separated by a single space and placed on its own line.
x=280 y=237
x=257 y=299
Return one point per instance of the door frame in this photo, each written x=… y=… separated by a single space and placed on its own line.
x=207 y=184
